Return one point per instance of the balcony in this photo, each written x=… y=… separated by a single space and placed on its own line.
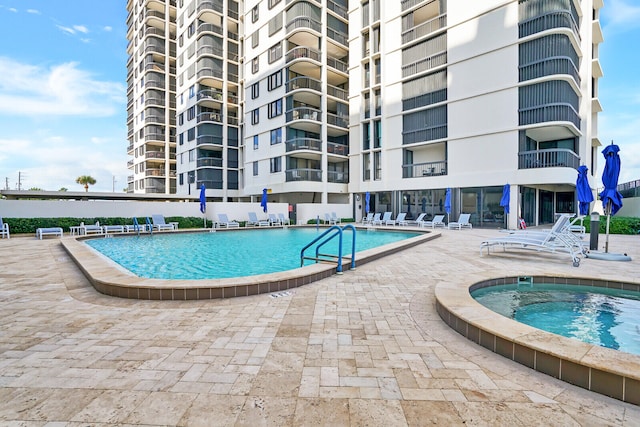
x=416 y=170
x=304 y=113
x=337 y=149
x=341 y=121
x=303 y=52
x=209 y=28
x=338 y=36
x=304 y=22
x=207 y=5
x=549 y=158
x=549 y=113
x=339 y=9
x=425 y=64
x=210 y=94
x=213 y=162
x=304 y=144
x=304 y=175
x=549 y=67
x=210 y=117
x=337 y=92
x=424 y=29
x=549 y=21
x=161 y=155
x=338 y=177
x=304 y=83
x=208 y=140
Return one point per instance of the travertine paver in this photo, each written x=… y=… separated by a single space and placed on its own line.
x=362 y=348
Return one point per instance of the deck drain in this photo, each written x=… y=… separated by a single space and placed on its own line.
x=281 y=294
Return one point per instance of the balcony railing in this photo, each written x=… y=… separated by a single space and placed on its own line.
x=339 y=149
x=303 y=144
x=305 y=113
x=210 y=5
x=214 y=94
x=427 y=134
x=551 y=20
x=208 y=139
x=338 y=120
x=425 y=28
x=339 y=177
x=304 y=83
x=549 y=67
x=337 y=92
x=304 y=175
x=424 y=64
x=210 y=117
x=548 y=158
x=303 y=52
x=416 y=170
x=210 y=28
x=304 y=22
x=407 y=4
x=338 y=9
x=549 y=113
x=338 y=36
x=209 y=162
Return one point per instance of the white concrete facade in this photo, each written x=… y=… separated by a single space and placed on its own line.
x=402 y=100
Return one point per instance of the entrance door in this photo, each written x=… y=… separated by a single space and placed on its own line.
x=546 y=208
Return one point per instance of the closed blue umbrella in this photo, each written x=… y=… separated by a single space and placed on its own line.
x=203 y=203
x=367 y=202
x=611 y=199
x=585 y=196
x=203 y=199
x=447 y=203
x=263 y=201
x=506 y=198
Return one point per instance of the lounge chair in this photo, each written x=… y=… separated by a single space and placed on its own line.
x=399 y=219
x=329 y=220
x=223 y=221
x=558 y=239
x=49 y=231
x=367 y=219
x=4 y=229
x=283 y=220
x=273 y=220
x=376 y=219
x=418 y=221
x=386 y=218
x=113 y=228
x=255 y=222
x=160 y=224
x=437 y=221
x=90 y=229
x=462 y=222
x=335 y=218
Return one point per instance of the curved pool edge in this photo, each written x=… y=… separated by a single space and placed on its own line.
x=609 y=372
x=109 y=278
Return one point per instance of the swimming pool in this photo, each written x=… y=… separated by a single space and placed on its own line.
x=227 y=254
x=606 y=317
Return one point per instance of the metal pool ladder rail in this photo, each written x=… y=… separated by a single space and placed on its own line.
x=329 y=235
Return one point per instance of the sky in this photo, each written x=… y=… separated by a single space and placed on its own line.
x=63 y=92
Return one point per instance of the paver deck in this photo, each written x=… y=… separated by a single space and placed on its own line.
x=363 y=348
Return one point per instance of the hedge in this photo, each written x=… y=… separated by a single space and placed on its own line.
x=617 y=225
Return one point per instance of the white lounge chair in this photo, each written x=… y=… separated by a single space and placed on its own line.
x=113 y=228
x=283 y=220
x=223 y=221
x=367 y=219
x=335 y=218
x=376 y=219
x=273 y=220
x=160 y=224
x=49 y=231
x=437 y=221
x=329 y=220
x=90 y=229
x=558 y=239
x=255 y=222
x=4 y=229
x=462 y=222
x=418 y=220
x=386 y=218
x=400 y=219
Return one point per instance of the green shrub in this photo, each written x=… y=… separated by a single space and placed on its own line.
x=617 y=225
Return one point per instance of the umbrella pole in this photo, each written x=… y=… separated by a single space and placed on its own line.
x=606 y=243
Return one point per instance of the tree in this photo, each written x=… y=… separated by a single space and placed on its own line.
x=86 y=180
x=35 y=189
x=63 y=189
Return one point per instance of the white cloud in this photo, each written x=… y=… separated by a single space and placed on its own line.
x=60 y=90
x=81 y=29
x=33 y=11
x=620 y=15
x=12 y=9
x=85 y=40
x=108 y=28
x=66 y=30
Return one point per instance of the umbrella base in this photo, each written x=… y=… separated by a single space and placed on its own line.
x=606 y=256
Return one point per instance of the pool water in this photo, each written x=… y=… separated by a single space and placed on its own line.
x=227 y=254
x=600 y=316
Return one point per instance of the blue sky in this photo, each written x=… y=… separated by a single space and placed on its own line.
x=63 y=91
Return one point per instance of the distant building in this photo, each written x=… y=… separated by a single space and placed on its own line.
x=325 y=101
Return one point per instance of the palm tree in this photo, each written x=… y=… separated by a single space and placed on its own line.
x=86 y=180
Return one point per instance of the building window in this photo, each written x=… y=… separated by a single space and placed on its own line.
x=274 y=80
x=192 y=155
x=181 y=179
x=191 y=113
x=191 y=134
x=255 y=168
x=366 y=136
x=366 y=167
x=276 y=136
x=255 y=142
x=192 y=91
x=255 y=39
x=255 y=14
x=276 y=164
x=272 y=3
x=275 y=52
x=181 y=138
x=377 y=134
x=255 y=65
x=275 y=108
x=255 y=90
x=275 y=24
x=377 y=165
x=255 y=116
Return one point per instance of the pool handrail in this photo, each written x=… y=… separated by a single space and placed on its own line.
x=337 y=232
